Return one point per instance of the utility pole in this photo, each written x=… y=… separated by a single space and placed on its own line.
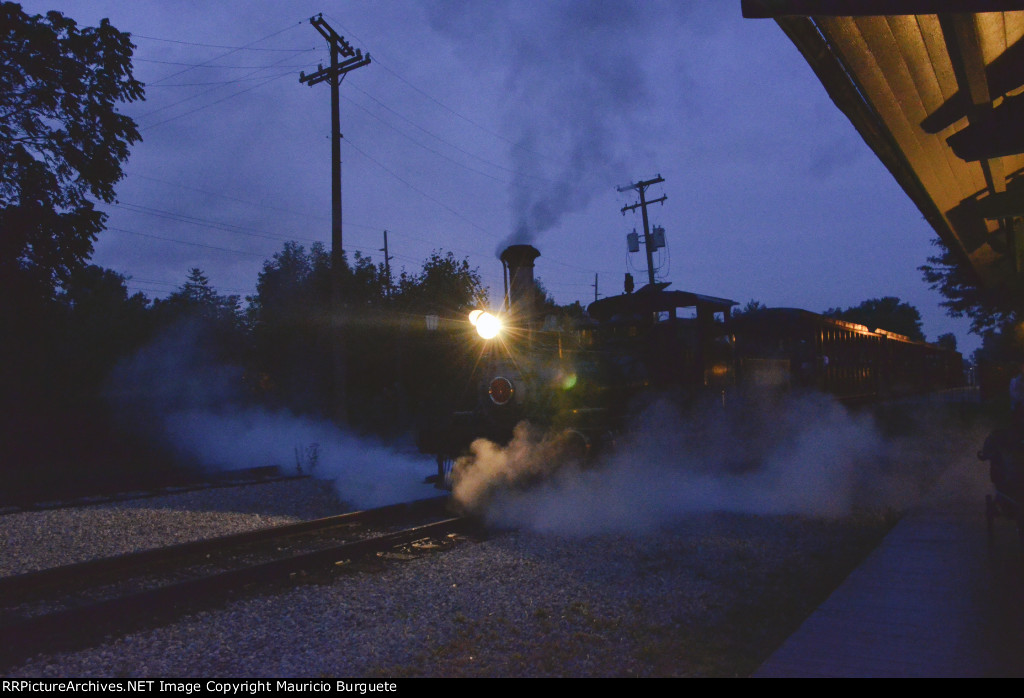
x=641 y=187
x=595 y=288
x=387 y=266
x=333 y=75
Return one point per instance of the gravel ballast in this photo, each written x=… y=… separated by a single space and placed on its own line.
x=35 y=540
x=709 y=596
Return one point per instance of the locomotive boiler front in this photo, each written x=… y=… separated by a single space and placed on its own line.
x=508 y=363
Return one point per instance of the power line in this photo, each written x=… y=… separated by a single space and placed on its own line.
x=207 y=106
x=304 y=214
x=177 y=284
x=243 y=201
x=207 y=64
x=235 y=48
x=447 y=108
x=415 y=188
x=426 y=147
x=217 y=225
x=186 y=242
x=449 y=143
x=219 y=82
x=232 y=228
x=206 y=223
x=200 y=94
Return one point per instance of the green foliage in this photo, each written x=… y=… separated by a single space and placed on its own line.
x=1004 y=345
x=216 y=321
x=289 y=316
x=101 y=324
x=445 y=285
x=394 y=366
x=197 y=296
x=56 y=427
x=62 y=141
x=886 y=313
x=545 y=302
x=947 y=341
x=988 y=307
x=752 y=306
x=75 y=340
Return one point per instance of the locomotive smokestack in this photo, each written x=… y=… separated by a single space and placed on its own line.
x=518 y=259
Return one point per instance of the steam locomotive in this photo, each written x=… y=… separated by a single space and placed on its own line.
x=578 y=381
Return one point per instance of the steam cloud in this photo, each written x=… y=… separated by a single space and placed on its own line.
x=805 y=456
x=576 y=79
x=195 y=404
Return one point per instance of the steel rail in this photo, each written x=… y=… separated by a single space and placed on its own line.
x=15 y=586
x=80 y=625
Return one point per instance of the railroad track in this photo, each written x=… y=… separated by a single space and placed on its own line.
x=77 y=605
x=239 y=478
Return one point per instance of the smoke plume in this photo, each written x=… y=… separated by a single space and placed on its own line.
x=183 y=397
x=806 y=456
x=576 y=79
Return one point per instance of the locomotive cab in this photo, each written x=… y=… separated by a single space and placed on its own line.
x=674 y=341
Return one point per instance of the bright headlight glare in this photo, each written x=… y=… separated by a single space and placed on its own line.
x=474 y=315
x=488 y=326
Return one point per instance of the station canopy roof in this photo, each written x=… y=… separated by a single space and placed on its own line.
x=936 y=88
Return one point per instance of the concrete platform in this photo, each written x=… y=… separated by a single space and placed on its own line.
x=933 y=600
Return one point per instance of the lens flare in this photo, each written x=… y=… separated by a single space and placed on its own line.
x=488 y=326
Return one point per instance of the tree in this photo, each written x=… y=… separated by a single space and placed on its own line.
x=947 y=341
x=290 y=319
x=62 y=141
x=886 y=313
x=990 y=308
x=752 y=306
x=446 y=285
x=215 y=322
x=196 y=296
x=102 y=323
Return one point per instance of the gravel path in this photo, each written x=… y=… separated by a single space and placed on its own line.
x=40 y=539
x=712 y=594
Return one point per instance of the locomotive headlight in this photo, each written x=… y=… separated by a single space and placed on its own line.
x=487 y=326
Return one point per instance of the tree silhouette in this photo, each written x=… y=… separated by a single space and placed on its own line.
x=990 y=308
x=102 y=323
x=445 y=285
x=197 y=296
x=947 y=341
x=752 y=306
x=62 y=141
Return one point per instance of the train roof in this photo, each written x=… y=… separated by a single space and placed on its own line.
x=652 y=299
x=775 y=315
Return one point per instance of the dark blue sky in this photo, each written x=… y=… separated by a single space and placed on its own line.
x=478 y=123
